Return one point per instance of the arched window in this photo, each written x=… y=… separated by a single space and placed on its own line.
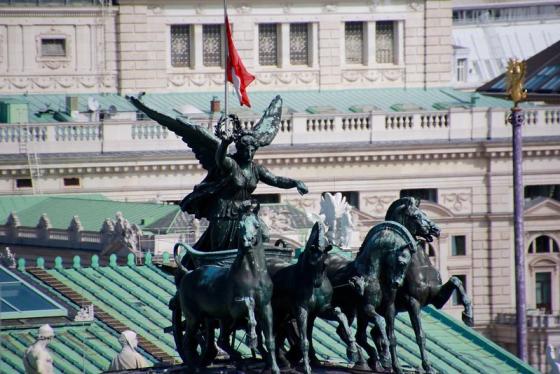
x=543 y=244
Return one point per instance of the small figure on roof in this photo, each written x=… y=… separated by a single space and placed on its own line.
x=553 y=359
x=37 y=358
x=231 y=178
x=128 y=358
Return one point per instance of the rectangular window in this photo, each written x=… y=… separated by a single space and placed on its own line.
x=429 y=194
x=268 y=44
x=461 y=70
x=456 y=297
x=551 y=191
x=543 y=293
x=24 y=183
x=267 y=198
x=354 y=42
x=384 y=42
x=299 y=44
x=212 y=45
x=180 y=45
x=72 y=182
x=53 y=47
x=458 y=245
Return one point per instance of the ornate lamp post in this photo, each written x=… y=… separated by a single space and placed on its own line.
x=515 y=75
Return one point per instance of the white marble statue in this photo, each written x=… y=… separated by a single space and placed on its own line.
x=37 y=358
x=553 y=359
x=128 y=358
x=336 y=214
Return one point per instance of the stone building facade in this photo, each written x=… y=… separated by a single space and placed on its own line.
x=457 y=158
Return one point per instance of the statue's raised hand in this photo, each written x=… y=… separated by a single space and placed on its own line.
x=225 y=132
x=301 y=187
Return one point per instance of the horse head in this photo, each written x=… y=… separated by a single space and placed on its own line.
x=397 y=264
x=407 y=212
x=252 y=231
x=312 y=259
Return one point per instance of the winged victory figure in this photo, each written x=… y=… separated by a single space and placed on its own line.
x=231 y=178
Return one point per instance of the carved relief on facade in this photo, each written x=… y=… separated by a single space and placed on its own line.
x=61 y=57
x=458 y=201
x=285 y=78
x=305 y=204
x=58 y=82
x=372 y=75
x=377 y=205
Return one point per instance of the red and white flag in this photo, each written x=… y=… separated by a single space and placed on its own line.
x=236 y=72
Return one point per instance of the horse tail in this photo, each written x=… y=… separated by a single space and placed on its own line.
x=181 y=269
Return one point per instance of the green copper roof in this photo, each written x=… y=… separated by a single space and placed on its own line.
x=92 y=210
x=14 y=203
x=86 y=347
x=138 y=295
x=57 y=102
x=343 y=101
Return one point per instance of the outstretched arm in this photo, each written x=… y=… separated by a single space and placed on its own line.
x=281 y=182
x=222 y=161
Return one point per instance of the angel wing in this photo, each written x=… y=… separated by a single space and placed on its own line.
x=202 y=142
x=267 y=127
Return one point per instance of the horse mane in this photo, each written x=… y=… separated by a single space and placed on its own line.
x=395 y=205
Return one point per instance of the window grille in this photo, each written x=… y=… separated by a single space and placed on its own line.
x=53 y=47
x=180 y=45
x=354 y=42
x=299 y=44
x=268 y=44
x=212 y=45
x=384 y=42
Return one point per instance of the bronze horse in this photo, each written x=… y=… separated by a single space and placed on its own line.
x=422 y=284
x=236 y=296
x=303 y=292
x=385 y=256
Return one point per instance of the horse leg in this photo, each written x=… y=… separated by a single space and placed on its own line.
x=343 y=330
x=226 y=329
x=390 y=313
x=361 y=339
x=301 y=318
x=445 y=292
x=414 y=311
x=313 y=360
x=192 y=358
x=265 y=320
x=378 y=334
x=280 y=339
x=251 y=323
x=210 y=350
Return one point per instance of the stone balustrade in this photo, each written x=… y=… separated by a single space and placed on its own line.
x=455 y=124
x=533 y=320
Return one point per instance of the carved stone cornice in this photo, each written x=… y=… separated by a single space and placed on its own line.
x=69 y=12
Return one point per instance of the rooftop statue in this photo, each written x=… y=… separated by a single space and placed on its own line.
x=553 y=359
x=422 y=284
x=128 y=358
x=231 y=178
x=309 y=300
x=368 y=287
x=238 y=296
x=37 y=358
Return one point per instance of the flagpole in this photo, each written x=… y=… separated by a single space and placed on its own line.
x=225 y=64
